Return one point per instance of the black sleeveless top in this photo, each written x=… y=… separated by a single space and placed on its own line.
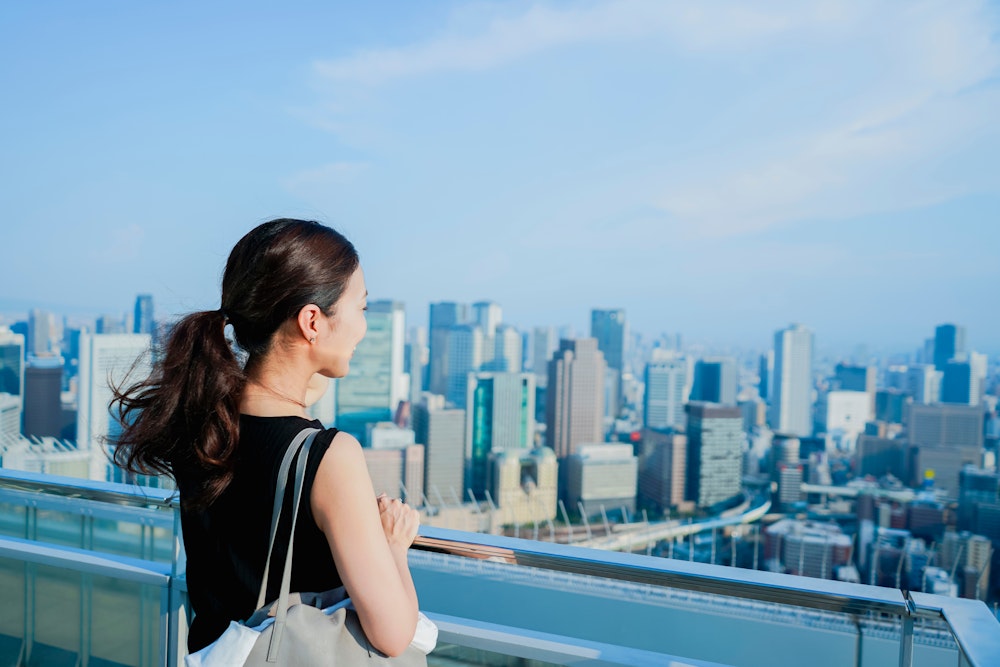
x=226 y=544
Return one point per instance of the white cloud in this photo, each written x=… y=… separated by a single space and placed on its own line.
x=692 y=26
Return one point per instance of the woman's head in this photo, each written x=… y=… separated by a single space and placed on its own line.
x=289 y=279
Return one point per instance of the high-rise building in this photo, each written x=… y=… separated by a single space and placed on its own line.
x=376 y=384
x=949 y=342
x=415 y=361
x=110 y=324
x=923 y=382
x=977 y=486
x=957 y=383
x=882 y=456
x=602 y=477
x=664 y=398
x=892 y=406
x=11 y=363
x=841 y=416
x=543 y=346
x=766 y=373
x=10 y=420
x=610 y=328
x=142 y=322
x=574 y=405
x=714 y=457
x=42 y=397
x=465 y=355
x=947 y=438
x=442 y=432
x=443 y=316
x=500 y=409
x=715 y=381
x=662 y=468
x=488 y=316
x=43 y=336
x=106 y=359
x=506 y=354
x=854 y=377
x=791 y=407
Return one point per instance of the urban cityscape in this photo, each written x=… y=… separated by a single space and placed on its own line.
x=879 y=471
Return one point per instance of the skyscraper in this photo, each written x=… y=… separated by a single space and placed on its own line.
x=544 y=344
x=923 y=382
x=610 y=328
x=104 y=359
x=791 y=407
x=664 y=398
x=766 y=375
x=488 y=316
x=949 y=342
x=957 y=383
x=714 y=459
x=500 y=410
x=442 y=432
x=506 y=357
x=715 y=380
x=143 y=320
x=42 y=334
x=11 y=363
x=947 y=438
x=465 y=355
x=375 y=385
x=443 y=316
x=42 y=397
x=574 y=404
x=416 y=358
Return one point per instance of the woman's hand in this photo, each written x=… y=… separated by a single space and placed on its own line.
x=399 y=521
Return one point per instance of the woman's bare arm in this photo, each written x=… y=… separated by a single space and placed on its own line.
x=369 y=541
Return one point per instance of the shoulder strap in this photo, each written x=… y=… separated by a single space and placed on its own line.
x=297 y=443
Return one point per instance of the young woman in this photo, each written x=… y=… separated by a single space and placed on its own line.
x=294 y=293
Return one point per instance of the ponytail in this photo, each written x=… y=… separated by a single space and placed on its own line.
x=186 y=413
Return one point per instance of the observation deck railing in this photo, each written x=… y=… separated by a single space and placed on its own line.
x=92 y=573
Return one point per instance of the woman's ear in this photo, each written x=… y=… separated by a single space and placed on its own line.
x=309 y=322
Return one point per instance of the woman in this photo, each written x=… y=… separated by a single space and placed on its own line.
x=295 y=296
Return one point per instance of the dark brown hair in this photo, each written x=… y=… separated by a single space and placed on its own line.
x=186 y=413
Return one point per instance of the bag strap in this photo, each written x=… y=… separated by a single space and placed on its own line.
x=279 y=495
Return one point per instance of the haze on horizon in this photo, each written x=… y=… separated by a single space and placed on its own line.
x=717 y=171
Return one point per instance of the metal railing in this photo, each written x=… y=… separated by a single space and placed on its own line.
x=974 y=628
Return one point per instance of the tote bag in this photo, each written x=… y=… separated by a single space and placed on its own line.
x=316 y=628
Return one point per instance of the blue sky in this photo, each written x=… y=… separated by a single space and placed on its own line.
x=718 y=169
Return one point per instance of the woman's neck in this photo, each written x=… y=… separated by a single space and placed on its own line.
x=273 y=393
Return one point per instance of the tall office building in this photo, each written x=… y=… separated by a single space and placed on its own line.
x=10 y=420
x=43 y=336
x=544 y=343
x=715 y=381
x=947 y=438
x=488 y=316
x=664 y=398
x=394 y=469
x=465 y=355
x=416 y=356
x=104 y=359
x=854 y=377
x=110 y=324
x=142 y=322
x=841 y=417
x=766 y=373
x=923 y=382
x=12 y=356
x=523 y=484
x=376 y=384
x=443 y=316
x=957 y=383
x=714 y=457
x=43 y=397
x=663 y=468
x=442 y=433
x=610 y=328
x=602 y=477
x=574 y=401
x=949 y=342
x=791 y=407
x=507 y=353
x=500 y=409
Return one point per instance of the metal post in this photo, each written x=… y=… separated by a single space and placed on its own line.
x=756 y=546
x=712 y=561
x=586 y=522
x=607 y=524
x=906 y=637
x=569 y=526
x=472 y=499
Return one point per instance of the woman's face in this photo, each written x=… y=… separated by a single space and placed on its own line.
x=347 y=326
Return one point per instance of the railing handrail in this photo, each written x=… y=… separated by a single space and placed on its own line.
x=975 y=628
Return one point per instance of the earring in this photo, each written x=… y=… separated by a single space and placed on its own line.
x=313 y=339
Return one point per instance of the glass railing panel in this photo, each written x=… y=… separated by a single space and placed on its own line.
x=663 y=620
x=57 y=615
x=13 y=520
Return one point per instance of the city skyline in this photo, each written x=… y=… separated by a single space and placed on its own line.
x=718 y=174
